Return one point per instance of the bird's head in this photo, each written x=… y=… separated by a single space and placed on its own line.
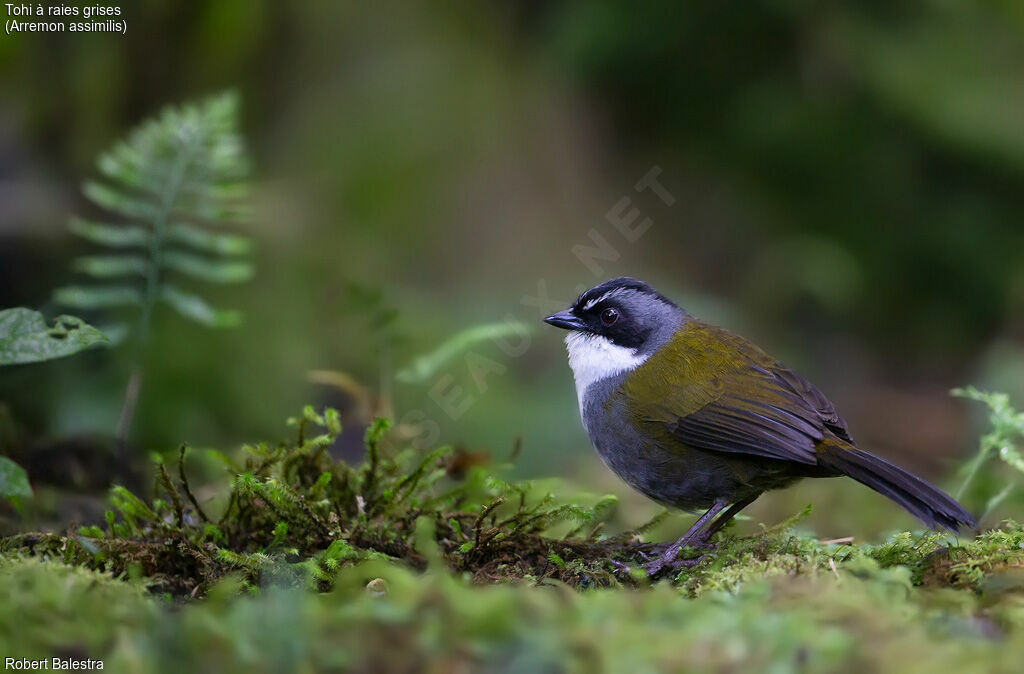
x=616 y=326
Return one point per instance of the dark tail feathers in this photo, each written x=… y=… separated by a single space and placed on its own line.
x=930 y=505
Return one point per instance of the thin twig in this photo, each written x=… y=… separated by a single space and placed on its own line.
x=165 y=482
x=370 y=481
x=184 y=485
x=131 y=396
x=480 y=520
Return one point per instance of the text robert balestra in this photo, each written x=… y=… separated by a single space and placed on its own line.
x=55 y=664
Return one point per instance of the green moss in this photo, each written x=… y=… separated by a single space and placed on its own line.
x=381 y=616
x=51 y=607
x=297 y=516
x=414 y=561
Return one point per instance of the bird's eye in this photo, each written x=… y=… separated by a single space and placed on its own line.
x=609 y=316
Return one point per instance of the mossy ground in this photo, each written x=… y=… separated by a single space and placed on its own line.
x=411 y=563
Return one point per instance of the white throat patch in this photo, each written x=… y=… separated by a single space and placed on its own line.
x=593 y=358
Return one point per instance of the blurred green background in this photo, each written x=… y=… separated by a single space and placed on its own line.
x=847 y=184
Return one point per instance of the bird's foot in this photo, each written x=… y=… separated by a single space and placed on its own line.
x=654 y=565
x=650 y=551
x=666 y=561
x=620 y=567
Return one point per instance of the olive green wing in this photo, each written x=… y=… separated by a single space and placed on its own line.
x=727 y=395
x=810 y=394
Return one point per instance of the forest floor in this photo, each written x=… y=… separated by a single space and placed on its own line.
x=411 y=562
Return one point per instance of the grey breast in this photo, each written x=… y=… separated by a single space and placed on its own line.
x=682 y=479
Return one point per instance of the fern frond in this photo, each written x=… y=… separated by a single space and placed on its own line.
x=168 y=187
x=196 y=309
x=98 y=297
x=108 y=266
x=112 y=236
x=208 y=242
x=205 y=269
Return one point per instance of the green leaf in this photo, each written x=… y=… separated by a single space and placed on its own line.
x=216 y=271
x=791 y=521
x=98 y=297
x=1012 y=456
x=124 y=164
x=1007 y=430
x=13 y=480
x=114 y=236
x=129 y=504
x=114 y=200
x=209 y=205
x=424 y=367
x=210 y=242
x=142 y=164
x=196 y=309
x=108 y=266
x=25 y=337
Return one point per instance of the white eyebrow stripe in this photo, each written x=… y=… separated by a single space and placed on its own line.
x=608 y=295
x=594 y=302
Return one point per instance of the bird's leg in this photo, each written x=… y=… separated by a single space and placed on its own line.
x=724 y=518
x=697 y=535
x=669 y=556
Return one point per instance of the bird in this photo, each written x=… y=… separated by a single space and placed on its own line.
x=698 y=418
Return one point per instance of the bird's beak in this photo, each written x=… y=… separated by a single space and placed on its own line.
x=565 y=320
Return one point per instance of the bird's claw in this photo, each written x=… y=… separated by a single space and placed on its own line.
x=651 y=553
x=656 y=565
x=621 y=567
